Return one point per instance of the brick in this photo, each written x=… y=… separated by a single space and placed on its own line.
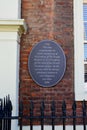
x=51 y=20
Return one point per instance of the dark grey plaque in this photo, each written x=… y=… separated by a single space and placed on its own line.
x=47 y=63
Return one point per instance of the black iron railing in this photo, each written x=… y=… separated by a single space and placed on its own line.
x=32 y=117
x=5 y=113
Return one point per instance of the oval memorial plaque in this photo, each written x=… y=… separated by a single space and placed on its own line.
x=47 y=63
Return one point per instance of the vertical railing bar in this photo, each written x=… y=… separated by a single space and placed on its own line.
x=1 y=114
x=9 y=112
x=20 y=115
x=4 y=112
x=64 y=114
x=84 y=114
x=74 y=115
x=31 y=114
x=42 y=115
x=53 y=114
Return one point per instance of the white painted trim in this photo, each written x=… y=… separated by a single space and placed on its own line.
x=48 y=127
x=9 y=36
x=18 y=25
x=12 y=21
x=80 y=93
x=10 y=33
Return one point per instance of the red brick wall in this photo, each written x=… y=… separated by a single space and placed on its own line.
x=53 y=20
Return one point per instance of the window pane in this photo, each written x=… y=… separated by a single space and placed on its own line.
x=85 y=20
x=85 y=52
x=85 y=75
x=85 y=12
x=85 y=30
x=85 y=59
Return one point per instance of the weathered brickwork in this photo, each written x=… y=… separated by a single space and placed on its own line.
x=53 y=20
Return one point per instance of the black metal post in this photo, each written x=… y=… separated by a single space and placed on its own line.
x=74 y=115
x=84 y=114
x=64 y=114
x=42 y=115
x=4 y=114
x=53 y=115
x=9 y=112
x=20 y=115
x=31 y=115
x=1 y=114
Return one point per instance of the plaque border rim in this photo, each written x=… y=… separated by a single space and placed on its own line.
x=29 y=61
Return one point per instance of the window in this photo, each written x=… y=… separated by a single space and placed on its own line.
x=85 y=40
x=80 y=49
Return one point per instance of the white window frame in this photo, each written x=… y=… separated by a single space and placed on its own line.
x=79 y=85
